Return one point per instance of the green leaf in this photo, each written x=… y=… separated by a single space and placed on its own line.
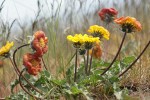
x=42 y=87
x=67 y=91
x=27 y=76
x=128 y=60
x=40 y=81
x=13 y=84
x=85 y=81
x=104 y=64
x=94 y=78
x=46 y=73
x=101 y=63
x=18 y=96
x=75 y=90
x=69 y=72
x=97 y=72
x=59 y=82
x=114 y=79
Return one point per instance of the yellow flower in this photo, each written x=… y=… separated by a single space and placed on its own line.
x=89 y=41
x=99 y=31
x=85 y=39
x=77 y=40
x=5 y=49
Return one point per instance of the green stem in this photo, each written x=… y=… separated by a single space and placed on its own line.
x=48 y=93
x=70 y=59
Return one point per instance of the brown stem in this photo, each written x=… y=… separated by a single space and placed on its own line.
x=75 y=74
x=116 y=54
x=14 y=56
x=23 y=86
x=15 y=65
x=87 y=61
x=135 y=60
x=90 y=62
x=44 y=63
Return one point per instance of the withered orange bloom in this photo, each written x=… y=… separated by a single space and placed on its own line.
x=129 y=24
x=39 y=43
x=96 y=52
x=108 y=14
x=32 y=63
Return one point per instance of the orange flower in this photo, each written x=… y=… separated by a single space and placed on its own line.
x=97 y=51
x=32 y=63
x=108 y=14
x=39 y=43
x=129 y=24
x=1 y=63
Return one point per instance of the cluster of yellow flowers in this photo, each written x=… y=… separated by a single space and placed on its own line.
x=79 y=39
x=96 y=34
x=5 y=49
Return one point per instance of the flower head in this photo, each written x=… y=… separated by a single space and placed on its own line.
x=4 y=51
x=96 y=52
x=39 y=43
x=89 y=41
x=108 y=14
x=129 y=24
x=99 y=31
x=32 y=63
x=77 y=40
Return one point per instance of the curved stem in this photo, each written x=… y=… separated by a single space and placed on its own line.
x=22 y=85
x=116 y=54
x=75 y=74
x=15 y=65
x=90 y=62
x=14 y=56
x=135 y=60
x=44 y=63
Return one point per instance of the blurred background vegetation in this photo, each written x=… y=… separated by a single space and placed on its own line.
x=58 y=18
